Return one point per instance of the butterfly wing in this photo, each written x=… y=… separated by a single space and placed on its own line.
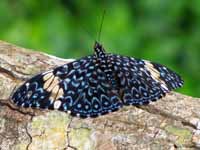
x=88 y=88
x=32 y=93
x=87 y=91
x=80 y=87
x=142 y=81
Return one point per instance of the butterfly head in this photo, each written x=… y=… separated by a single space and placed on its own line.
x=99 y=50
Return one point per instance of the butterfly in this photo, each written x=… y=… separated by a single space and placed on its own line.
x=97 y=84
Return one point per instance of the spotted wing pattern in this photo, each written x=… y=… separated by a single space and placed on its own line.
x=142 y=81
x=81 y=88
x=97 y=84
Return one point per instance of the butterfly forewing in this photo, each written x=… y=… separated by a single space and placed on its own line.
x=142 y=81
x=32 y=94
x=80 y=87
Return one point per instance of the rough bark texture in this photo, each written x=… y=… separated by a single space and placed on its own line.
x=170 y=123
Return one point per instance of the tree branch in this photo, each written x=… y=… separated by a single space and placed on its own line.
x=170 y=123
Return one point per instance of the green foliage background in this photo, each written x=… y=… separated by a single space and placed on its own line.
x=164 y=31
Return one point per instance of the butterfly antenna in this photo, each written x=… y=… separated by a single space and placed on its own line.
x=101 y=25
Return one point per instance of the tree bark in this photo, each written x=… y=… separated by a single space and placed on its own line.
x=170 y=123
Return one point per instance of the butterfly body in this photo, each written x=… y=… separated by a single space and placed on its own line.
x=97 y=84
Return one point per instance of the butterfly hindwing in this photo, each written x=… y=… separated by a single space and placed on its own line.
x=87 y=92
x=142 y=81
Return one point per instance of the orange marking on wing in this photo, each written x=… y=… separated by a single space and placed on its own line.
x=60 y=93
x=47 y=76
x=48 y=82
x=54 y=82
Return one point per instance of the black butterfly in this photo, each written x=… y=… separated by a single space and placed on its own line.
x=97 y=84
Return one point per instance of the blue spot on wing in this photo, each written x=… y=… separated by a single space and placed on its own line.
x=32 y=94
x=92 y=96
x=98 y=84
x=172 y=79
x=137 y=84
